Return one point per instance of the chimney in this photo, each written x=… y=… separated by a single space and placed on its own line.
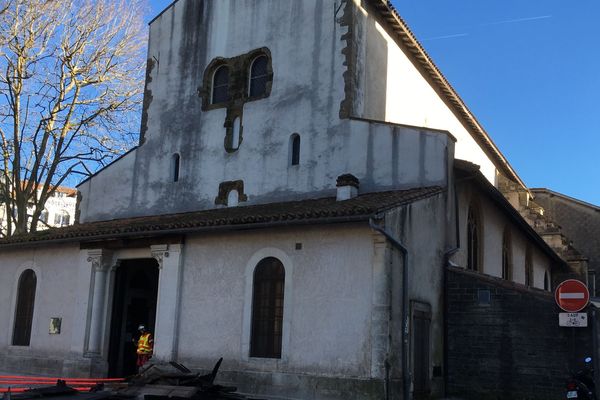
x=347 y=187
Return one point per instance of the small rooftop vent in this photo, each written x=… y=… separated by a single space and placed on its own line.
x=347 y=187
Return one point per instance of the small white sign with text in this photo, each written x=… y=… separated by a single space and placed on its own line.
x=575 y=320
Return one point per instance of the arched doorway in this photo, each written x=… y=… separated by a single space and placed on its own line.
x=134 y=303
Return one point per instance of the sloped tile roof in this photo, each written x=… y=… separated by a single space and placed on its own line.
x=310 y=211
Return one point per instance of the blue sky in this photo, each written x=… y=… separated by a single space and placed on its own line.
x=529 y=71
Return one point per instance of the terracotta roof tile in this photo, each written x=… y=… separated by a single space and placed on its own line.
x=294 y=212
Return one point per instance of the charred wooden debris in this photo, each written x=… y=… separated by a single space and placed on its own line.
x=172 y=381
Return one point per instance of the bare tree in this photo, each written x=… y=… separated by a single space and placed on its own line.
x=71 y=77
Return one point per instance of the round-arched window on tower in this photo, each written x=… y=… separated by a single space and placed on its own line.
x=259 y=76
x=220 y=85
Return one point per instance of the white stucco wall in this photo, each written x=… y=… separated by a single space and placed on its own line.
x=307 y=89
x=390 y=88
x=494 y=221
x=56 y=270
x=421 y=228
x=328 y=299
x=382 y=156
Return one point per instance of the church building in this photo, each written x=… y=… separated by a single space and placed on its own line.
x=305 y=177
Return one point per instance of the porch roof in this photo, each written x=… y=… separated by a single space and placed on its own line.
x=301 y=212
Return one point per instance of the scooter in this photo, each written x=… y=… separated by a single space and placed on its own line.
x=581 y=384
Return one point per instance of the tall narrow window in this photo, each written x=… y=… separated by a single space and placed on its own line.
x=267 y=309
x=220 y=86
x=546 y=281
x=175 y=167
x=62 y=218
x=506 y=255
x=24 y=310
x=528 y=268
x=295 y=149
x=235 y=136
x=258 y=77
x=473 y=240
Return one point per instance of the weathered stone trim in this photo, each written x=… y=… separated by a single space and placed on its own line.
x=239 y=78
x=228 y=186
x=347 y=180
x=239 y=70
x=349 y=52
x=147 y=100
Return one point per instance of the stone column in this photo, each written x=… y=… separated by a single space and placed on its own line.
x=100 y=262
x=169 y=259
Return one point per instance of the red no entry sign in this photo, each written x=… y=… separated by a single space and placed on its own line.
x=572 y=295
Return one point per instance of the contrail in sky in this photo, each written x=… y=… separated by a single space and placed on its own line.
x=511 y=21
x=446 y=36
x=507 y=21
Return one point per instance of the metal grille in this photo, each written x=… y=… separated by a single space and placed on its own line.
x=24 y=311
x=267 y=309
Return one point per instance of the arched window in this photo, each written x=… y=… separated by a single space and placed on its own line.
x=506 y=255
x=267 y=309
x=62 y=218
x=175 y=167
x=24 y=310
x=295 y=149
x=473 y=240
x=528 y=268
x=259 y=76
x=220 y=85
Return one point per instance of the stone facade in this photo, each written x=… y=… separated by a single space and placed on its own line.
x=580 y=222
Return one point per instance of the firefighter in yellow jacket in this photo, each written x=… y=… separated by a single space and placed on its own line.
x=145 y=345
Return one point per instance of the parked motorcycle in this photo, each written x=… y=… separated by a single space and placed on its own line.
x=581 y=384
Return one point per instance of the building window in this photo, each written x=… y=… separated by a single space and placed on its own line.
x=546 y=281
x=473 y=240
x=267 y=309
x=295 y=149
x=259 y=75
x=592 y=283
x=175 y=167
x=528 y=268
x=44 y=216
x=62 y=218
x=220 y=85
x=235 y=135
x=506 y=255
x=24 y=310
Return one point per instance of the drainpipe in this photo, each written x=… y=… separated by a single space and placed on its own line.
x=405 y=367
x=446 y=261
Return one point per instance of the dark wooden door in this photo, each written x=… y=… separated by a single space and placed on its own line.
x=421 y=324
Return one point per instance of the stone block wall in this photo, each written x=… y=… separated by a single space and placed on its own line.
x=504 y=342
x=579 y=221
